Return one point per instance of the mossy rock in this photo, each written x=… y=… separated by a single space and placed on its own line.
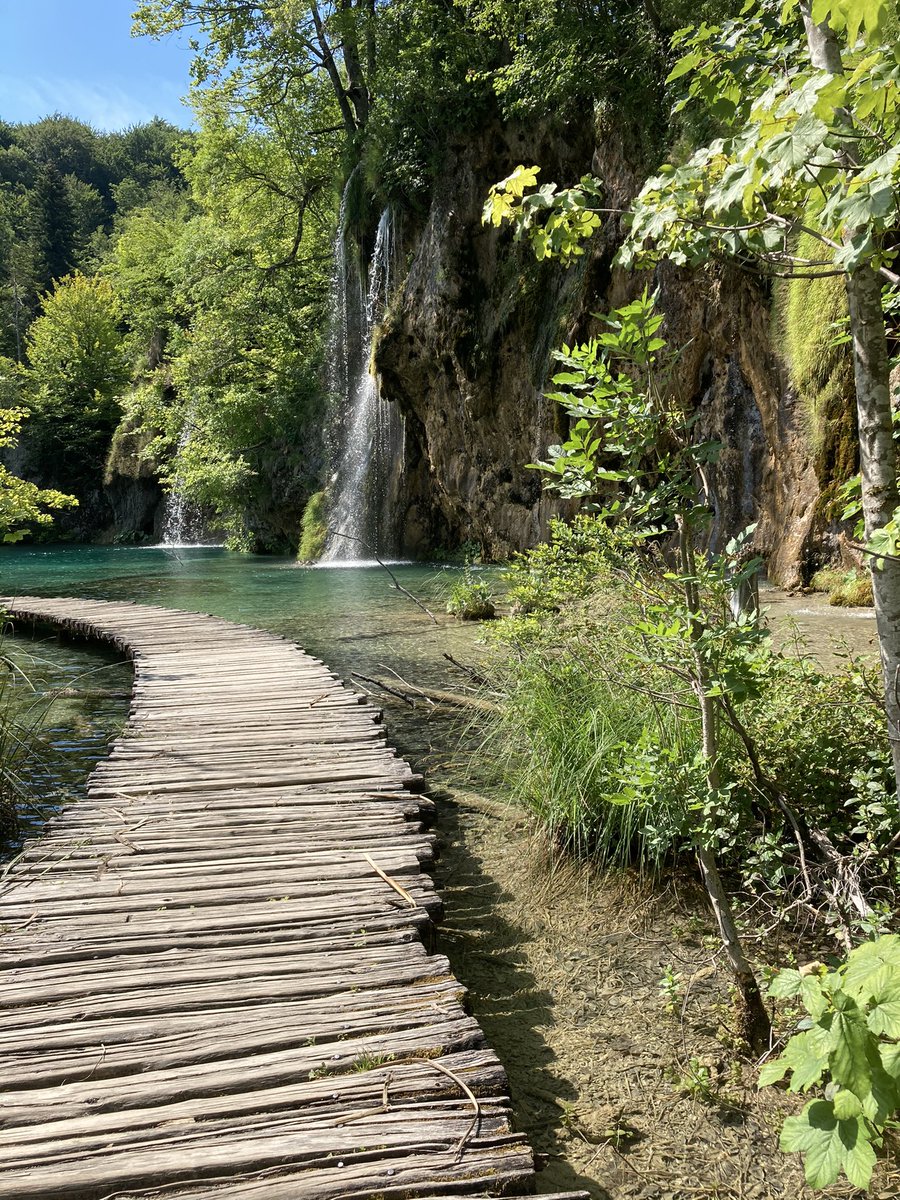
x=479 y=610
x=846 y=589
x=314 y=528
x=127 y=457
x=854 y=593
x=808 y=318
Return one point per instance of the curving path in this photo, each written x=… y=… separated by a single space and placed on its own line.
x=214 y=982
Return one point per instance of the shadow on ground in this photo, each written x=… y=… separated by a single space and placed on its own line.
x=484 y=949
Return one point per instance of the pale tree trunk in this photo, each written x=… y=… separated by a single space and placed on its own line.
x=877 y=458
x=878 y=467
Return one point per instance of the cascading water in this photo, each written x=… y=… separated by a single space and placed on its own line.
x=360 y=523
x=183 y=523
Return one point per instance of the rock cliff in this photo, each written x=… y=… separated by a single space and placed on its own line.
x=465 y=351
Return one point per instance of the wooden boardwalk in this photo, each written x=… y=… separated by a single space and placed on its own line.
x=215 y=980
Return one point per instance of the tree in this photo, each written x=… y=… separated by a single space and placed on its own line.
x=281 y=50
x=77 y=371
x=21 y=503
x=224 y=295
x=807 y=98
x=629 y=431
x=52 y=226
x=811 y=147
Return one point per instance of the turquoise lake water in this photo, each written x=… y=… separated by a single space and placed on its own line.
x=351 y=617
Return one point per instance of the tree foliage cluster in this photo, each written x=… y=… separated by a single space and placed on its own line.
x=294 y=99
x=801 y=181
x=190 y=305
x=61 y=186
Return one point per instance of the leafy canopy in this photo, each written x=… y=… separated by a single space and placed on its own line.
x=22 y=504
x=804 y=149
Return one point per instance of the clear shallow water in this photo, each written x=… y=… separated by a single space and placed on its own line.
x=810 y=625
x=351 y=617
x=338 y=614
x=59 y=706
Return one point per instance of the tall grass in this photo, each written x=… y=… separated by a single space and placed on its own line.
x=22 y=713
x=600 y=739
x=574 y=738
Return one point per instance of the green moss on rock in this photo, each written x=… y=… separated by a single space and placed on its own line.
x=314 y=528
x=846 y=589
x=809 y=315
x=128 y=456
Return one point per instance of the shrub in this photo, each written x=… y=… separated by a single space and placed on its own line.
x=849 y=1042
x=598 y=736
x=470 y=598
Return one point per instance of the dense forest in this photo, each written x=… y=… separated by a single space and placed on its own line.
x=565 y=284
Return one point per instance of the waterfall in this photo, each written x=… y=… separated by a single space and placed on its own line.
x=183 y=523
x=371 y=455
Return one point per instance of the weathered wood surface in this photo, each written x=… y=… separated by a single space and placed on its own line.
x=209 y=987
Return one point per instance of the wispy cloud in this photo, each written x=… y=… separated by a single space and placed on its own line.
x=106 y=106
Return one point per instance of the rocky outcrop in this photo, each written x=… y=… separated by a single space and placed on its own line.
x=729 y=371
x=131 y=496
x=465 y=351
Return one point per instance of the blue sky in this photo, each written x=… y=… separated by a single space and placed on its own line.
x=77 y=57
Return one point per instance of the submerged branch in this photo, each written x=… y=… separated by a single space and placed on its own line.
x=396 y=583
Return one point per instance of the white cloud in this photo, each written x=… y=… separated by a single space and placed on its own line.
x=106 y=105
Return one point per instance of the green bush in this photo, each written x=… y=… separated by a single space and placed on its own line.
x=599 y=740
x=848 y=1046
x=470 y=598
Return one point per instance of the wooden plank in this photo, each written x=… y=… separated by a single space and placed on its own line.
x=207 y=987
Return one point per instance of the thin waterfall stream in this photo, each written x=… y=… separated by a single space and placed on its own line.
x=184 y=523
x=361 y=523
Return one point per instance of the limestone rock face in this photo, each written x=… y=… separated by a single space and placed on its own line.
x=729 y=372
x=131 y=492
x=465 y=351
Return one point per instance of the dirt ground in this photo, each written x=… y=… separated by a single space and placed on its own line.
x=624 y=1089
x=618 y=1096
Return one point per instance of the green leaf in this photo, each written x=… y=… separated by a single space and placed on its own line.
x=786 y=983
x=814 y=996
x=806 y=1055
x=851 y=1045
x=684 y=65
x=884 y=1017
x=814 y=1134
x=873 y=968
x=772 y=1071
x=859 y=1153
x=789 y=152
x=846 y=1105
x=829 y=1145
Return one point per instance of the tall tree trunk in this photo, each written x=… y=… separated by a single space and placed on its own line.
x=358 y=91
x=878 y=467
x=328 y=62
x=877 y=457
